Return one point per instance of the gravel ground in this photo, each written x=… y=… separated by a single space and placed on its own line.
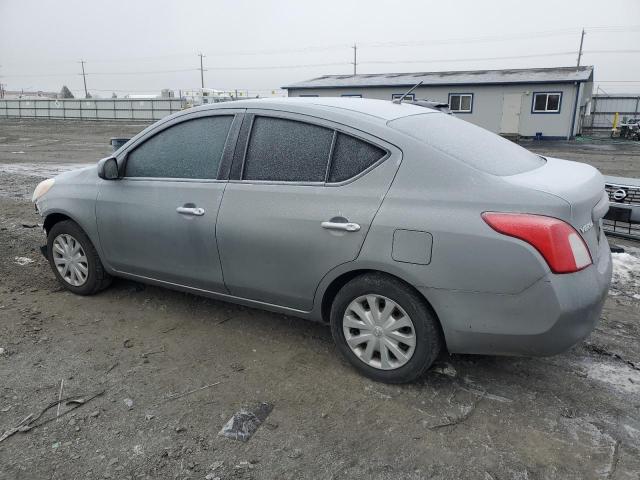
x=172 y=368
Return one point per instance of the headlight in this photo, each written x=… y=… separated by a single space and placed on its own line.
x=42 y=188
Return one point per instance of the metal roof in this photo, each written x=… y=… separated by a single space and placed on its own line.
x=382 y=109
x=471 y=77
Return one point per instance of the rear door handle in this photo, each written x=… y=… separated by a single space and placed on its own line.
x=346 y=226
x=196 y=211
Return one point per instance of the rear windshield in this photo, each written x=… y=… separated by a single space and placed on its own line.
x=469 y=143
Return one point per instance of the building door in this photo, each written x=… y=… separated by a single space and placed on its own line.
x=511 y=104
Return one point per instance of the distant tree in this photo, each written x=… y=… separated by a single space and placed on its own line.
x=89 y=95
x=113 y=95
x=66 y=93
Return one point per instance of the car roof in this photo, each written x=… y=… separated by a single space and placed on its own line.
x=384 y=110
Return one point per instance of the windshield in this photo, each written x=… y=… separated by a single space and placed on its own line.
x=469 y=143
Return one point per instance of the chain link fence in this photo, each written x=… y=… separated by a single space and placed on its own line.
x=91 y=109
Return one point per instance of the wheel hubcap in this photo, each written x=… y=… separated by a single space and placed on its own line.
x=70 y=260
x=379 y=332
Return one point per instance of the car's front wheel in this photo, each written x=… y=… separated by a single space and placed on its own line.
x=385 y=329
x=74 y=260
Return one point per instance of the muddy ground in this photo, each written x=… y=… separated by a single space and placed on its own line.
x=173 y=368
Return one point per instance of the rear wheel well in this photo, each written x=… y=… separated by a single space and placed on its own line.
x=54 y=218
x=339 y=282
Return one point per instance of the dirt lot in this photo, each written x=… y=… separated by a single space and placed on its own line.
x=174 y=368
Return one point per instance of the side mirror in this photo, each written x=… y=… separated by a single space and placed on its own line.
x=108 y=169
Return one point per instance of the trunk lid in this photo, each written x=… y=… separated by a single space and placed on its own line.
x=580 y=185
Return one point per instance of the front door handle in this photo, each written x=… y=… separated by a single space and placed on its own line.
x=196 y=211
x=346 y=226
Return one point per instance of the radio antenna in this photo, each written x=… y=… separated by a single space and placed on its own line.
x=399 y=100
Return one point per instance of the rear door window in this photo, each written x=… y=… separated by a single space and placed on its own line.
x=352 y=156
x=191 y=149
x=287 y=150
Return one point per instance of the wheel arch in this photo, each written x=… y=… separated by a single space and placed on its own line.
x=56 y=217
x=53 y=217
x=341 y=280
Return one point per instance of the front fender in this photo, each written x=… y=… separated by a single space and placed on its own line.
x=74 y=196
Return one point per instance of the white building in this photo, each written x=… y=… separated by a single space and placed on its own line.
x=547 y=102
x=202 y=96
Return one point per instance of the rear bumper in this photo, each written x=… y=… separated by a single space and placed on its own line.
x=547 y=318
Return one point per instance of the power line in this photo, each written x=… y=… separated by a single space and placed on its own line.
x=147 y=72
x=334 y=64
x=395 y=44
x=510 y=57
x=281 y=67
x=494 y=38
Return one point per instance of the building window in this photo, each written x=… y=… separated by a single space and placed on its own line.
x=546 y=102
x=397 y=96
x=461 y=102
x=353 y=95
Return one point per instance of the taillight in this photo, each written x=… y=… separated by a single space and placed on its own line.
x=557 y=241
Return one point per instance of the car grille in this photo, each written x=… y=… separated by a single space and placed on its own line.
x=631 y=194
x=618 y=220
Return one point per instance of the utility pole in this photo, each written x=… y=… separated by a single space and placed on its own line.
x=201 y=71
x=580 y=51
x=84 y=79
x=355 y=58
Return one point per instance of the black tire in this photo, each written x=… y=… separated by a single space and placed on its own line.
x=97 y=278
x=428 y=335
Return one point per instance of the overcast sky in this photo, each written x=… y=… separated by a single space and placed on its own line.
x=41 y=42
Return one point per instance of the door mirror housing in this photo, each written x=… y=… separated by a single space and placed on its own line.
x=108 y=169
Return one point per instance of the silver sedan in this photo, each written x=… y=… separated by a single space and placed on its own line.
x=407 y=230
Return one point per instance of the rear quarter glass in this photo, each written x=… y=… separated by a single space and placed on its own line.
x=469 y=143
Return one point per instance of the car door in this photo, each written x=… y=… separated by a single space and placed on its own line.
x=158 y=220
x=301 y=197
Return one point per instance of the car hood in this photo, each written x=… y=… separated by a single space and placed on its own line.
x=79 y=174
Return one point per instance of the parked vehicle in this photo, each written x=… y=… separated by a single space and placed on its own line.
x=408 y=230
x=623 y=218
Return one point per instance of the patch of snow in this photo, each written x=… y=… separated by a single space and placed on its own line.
x=616 y=374
x=626 y=272
x=634 y=433
x=40 y=170
x=22 y=261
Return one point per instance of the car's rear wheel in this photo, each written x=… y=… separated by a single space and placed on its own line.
x=385 y=329
x=74 y=259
